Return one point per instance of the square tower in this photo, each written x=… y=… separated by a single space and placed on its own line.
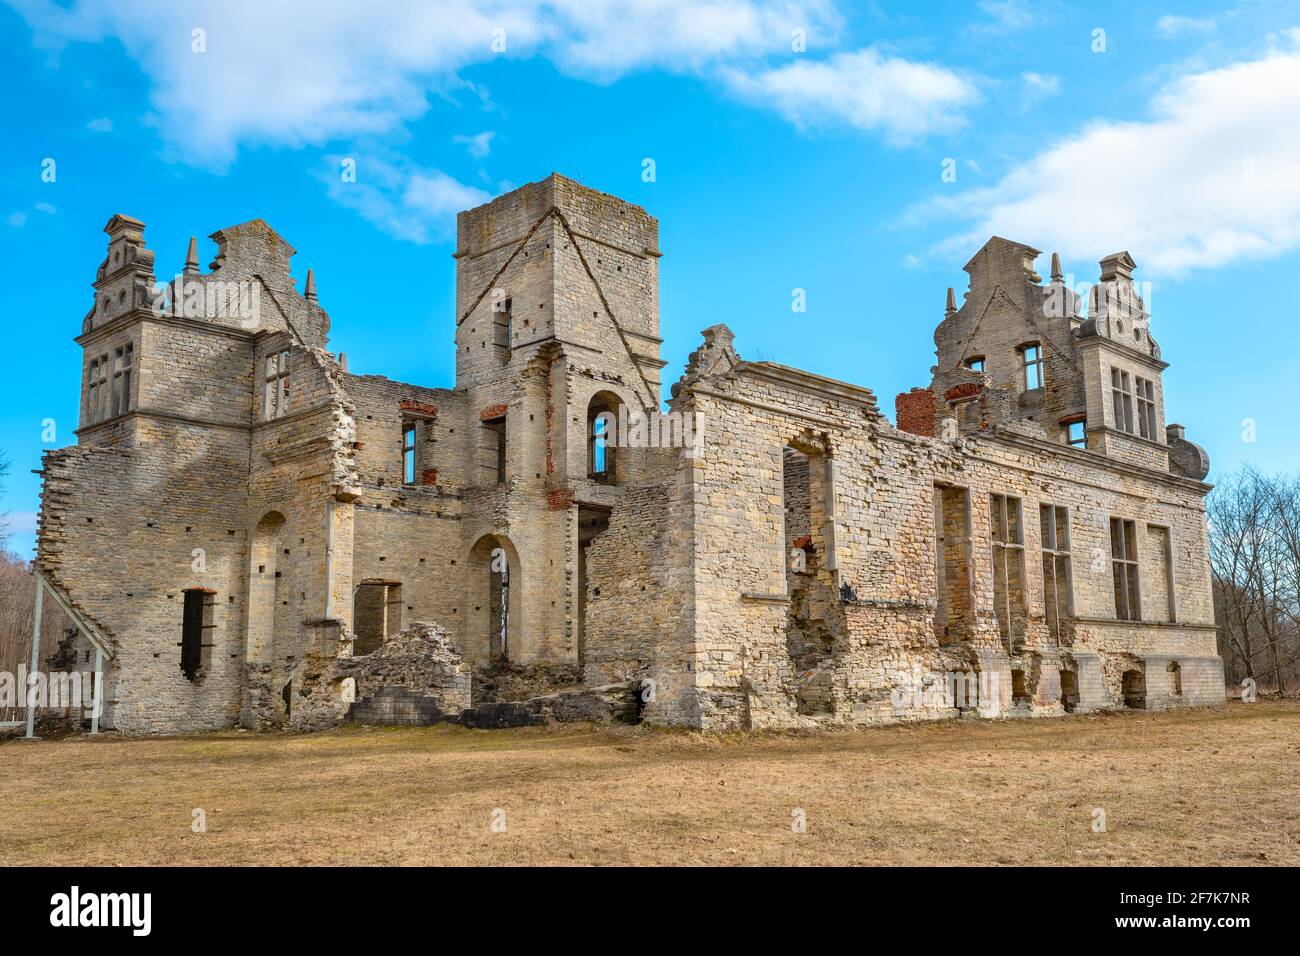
x=555 y=262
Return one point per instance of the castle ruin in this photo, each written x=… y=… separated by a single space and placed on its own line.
x=241 y=513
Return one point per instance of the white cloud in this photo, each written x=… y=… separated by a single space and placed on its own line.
x=1170 y=26
x=298 y=72
x=407 y=202
x=1211 y=178
x=22 y=523
x=45 y=207
x=866 y=89
x=17 y=219
x=1006 y=15
x=102 y=125
x=478 y=145
x=610 y=37
x=1041 y=84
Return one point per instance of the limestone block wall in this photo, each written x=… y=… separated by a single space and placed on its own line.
x=420 y=550
x=382 y=406
x=635 y=589
x=124 y=533
x=883 y=533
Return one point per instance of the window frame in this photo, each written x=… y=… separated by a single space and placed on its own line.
x=1125 y=573
x=1036 y=364
x=92 y=392
x=1144 y=391
x=196 y=649
x=98 y=397
x=1006 y=548
x=975 y=360
x=410 y=457
x=1121 y=392
x=1053 y=524
x=275 y=385
x=1082 y=440
x=120 y=394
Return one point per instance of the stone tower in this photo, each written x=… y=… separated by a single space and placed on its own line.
x=557 y=320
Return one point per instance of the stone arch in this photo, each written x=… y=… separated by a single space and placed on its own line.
x=264 y=590
x=494 y=625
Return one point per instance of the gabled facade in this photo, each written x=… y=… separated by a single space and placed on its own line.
x=241 y=511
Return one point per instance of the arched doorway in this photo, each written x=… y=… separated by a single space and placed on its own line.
x=495 y=589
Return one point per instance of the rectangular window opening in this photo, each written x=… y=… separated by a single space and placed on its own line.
x=1008 y=568
x=197 y=626
x=1058 y=598
x=1146 y=407
x=955 y=591
x=1124 y=569
x=408 y=452
x=275 y=402
x=1121 y=391
x=1033 y=361
x=503 y=329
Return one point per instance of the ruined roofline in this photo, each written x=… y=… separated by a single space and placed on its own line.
x=798 y=378
x=1029 y=250
x=1115 y=265
x=257 y=226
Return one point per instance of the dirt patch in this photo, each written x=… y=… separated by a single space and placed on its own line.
x=1192 y=787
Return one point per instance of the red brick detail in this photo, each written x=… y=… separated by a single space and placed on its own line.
x=914 y=412
x=964 y=390
x=422 y=408
x=493 y=411
x=429 y=476
x=560 y=499
x=804 y=541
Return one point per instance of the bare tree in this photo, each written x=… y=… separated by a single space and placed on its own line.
x=1255 y=554
x=4 y=515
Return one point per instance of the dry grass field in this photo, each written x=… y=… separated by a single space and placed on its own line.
x=1197 y=787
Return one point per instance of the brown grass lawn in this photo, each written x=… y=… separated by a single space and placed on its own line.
x=1197 y=787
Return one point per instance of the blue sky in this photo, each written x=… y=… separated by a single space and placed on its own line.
x=779 y=165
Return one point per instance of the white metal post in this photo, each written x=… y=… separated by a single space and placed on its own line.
x=97 y=704
x=35 y=665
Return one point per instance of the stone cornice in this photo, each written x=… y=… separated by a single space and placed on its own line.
x=819 y=385
x=1093 y=458
x=145 y=315
x=1096 y=340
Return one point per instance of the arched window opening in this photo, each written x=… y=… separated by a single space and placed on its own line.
x=603 y=437
x=494 y=625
